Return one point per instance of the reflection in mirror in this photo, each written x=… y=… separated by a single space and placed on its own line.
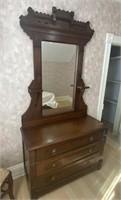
x=58 y=70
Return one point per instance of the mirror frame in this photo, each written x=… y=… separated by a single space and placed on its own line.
x=59 y=27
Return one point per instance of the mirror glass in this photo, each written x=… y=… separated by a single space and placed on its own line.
x=58 y=72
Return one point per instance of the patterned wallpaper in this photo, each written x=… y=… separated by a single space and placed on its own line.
x=16 y=61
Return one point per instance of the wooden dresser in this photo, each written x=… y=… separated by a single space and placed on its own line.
x=62 y=144
x=57 y=153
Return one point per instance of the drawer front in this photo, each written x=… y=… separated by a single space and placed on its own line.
x=66 y=158
x=51 y=179
x=54 y=150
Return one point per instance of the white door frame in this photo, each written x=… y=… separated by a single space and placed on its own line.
x=111 y=39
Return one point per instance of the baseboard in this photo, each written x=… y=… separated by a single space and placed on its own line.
x=17 y=170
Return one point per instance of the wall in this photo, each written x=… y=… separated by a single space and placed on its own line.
x=16 y=57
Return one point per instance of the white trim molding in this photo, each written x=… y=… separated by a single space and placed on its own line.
x=110 y=40
x=17 y=170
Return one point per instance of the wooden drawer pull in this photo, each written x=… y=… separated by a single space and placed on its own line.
x=53 y=179
x=54 y=151
x=54 y=165
x=91 y=139
x=90 y=161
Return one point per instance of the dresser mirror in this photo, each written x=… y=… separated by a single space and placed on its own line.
x=59 y=63
x=58 y=47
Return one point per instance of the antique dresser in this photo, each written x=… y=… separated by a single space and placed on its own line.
x=60 y=141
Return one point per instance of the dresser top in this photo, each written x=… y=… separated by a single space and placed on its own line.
x=56 y=132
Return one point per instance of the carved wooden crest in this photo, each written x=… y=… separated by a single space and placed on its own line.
x=60 y=23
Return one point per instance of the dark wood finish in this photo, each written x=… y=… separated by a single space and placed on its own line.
x=58 y=27
x=61 y=150
x=69 y=157
x=59 y=147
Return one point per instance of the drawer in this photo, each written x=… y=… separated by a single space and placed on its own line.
x=56 y=149
x=66 y=158
x=51 y=179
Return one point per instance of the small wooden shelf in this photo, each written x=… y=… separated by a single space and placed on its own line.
x=111 y=101
x=115 y=58
x=114 y=81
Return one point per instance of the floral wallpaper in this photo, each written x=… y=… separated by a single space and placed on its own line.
x=16 y=55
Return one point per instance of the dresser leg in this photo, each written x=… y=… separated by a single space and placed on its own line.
x=33 y=195
x=99 y=164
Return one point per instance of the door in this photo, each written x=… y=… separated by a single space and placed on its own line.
x=111 y=40
x=112 y=109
